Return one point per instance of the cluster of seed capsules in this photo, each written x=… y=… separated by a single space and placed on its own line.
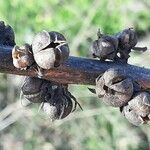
x=114 y=86
x=116 y=47
x=48 y=50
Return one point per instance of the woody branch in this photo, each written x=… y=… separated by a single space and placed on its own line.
x=75 y=70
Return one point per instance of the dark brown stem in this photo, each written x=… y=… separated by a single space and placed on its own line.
x=75 y=70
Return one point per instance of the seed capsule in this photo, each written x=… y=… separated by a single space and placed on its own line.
x=50 y=49
x=131 y=116
x=141 y=104
x=57 y=100
x=7 y=36
x=59 y=105
x=51 y=111
x=127 y=40
x=22 y=56
x=137 y=111
x=34 y=89
x=105 y=47
x=114 y=87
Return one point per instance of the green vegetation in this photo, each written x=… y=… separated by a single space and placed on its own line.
x=98 y=127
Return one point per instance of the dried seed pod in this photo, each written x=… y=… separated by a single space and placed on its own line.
x=131 y=116
x=114 y=87
x=50 y=49
x=57 y=100
x=34 y=89
x=127 y=40
x=51 y=111
x=7 y=36
x=141 y=104
x=105 y=47
x=137 y=111
x=59 y=103
x=22 y=56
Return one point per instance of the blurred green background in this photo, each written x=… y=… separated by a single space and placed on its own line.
x=98 y=127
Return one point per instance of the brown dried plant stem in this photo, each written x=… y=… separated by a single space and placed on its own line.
x=76 y=70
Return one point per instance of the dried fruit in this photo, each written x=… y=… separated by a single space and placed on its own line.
x=114 y=87
x=131 y=116
x=140 y=103
x=57 y=100
x=50 y=49
x=34 y=89
x=22 y=56
x=51 y=110
x=105 y=47
x=127 y=40
x=7 y=36
x=59 y=104
x=137 y=111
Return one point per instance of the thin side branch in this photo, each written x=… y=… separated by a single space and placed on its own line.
x=76 y=70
